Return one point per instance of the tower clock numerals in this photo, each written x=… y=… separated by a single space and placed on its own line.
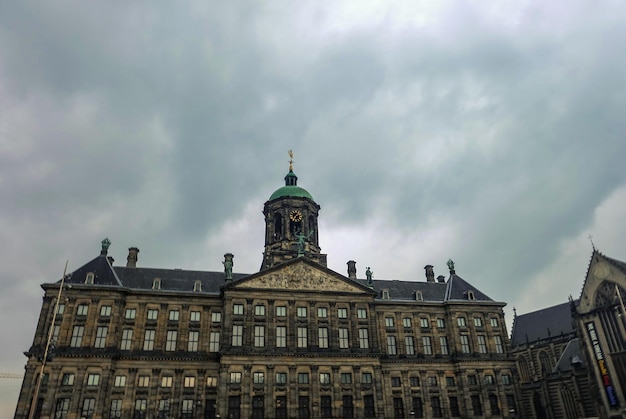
x=295 y=216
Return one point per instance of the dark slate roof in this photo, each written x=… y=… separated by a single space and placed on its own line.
x=458 y=289
x=173 y=279
x=542 y=324
x=405 y=290
x=571 y=358
x=100 y=267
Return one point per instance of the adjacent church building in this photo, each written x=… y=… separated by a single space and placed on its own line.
x=294 y=340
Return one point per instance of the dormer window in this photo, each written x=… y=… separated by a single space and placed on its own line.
x=197 y=286
x=470 y=295
x=419 y=296
x=156 y=284
x=385 y=294
x=89 y=278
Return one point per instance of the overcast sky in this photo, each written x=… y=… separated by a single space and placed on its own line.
x=492 y=133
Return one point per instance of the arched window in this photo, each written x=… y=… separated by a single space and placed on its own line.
x=524 y=371
x=278 y=226
x=546 y=363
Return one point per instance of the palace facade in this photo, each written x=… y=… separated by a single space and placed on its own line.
x=294 y=340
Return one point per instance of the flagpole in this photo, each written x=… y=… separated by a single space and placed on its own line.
x=33 y=404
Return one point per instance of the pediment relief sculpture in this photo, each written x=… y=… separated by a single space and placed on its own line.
x=300 y=277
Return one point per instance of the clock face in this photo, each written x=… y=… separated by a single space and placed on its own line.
x=295 y=216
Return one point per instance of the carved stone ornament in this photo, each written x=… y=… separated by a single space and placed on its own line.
x=300 y=277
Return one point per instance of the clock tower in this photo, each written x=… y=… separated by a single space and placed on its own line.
x=291 y=224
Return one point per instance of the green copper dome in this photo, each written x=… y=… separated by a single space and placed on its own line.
x=291 y=189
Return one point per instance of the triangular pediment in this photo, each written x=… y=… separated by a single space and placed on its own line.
x=301 y=275
x=605 y=283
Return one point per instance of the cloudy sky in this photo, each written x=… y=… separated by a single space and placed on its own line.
x=492 y=133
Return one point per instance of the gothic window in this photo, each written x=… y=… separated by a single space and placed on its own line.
x=523 y=368
x=545 y=362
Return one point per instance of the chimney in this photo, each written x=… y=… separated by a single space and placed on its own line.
x=430 y=274
x=132 y=257
x=352 y=269
x=441 y=279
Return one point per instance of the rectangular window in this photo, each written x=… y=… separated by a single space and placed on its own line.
x=189 y=381
x=409 y=344
x=89 y=406
x=214 y=342
x=368 y=406
x=77 y=336
x=281 y=378
x=174 y=315
x=259 y=310
x=450 y=381
x=478 y=322
x=192 y=342
x=389 y=321
x=482 y=344
x=494 y=322
x=326 y=407
x=304 y=410
x=127 y=340
x=428 y=348
x=211 y=382
x=144 y=381
x=187 y=407
x=82 y=310
x=167 y=381
x=364 y=342
x=301 y=312
x=454 y=407
x=435 y=403
x=424 y=323
x=323 y=337
x=216 y=317
x=477 y=406
x=153 y=314
x=116 y=408
x=322 y=312
x=148 y=340
x=366 y=378
x=344 y=342
x=93 y=379
x=303 y=378
x=68 y=379
x=443 y=344
x=506 y=379
x=361 y=313
x=499 y=347
x=238 y=309
x=60 y=309
x=432 y=381
x=120 y=381
x=441 y=323
x=471 y=380
x=258 y=378
x=130 y=313
x=55 y=333
x=398 y=407
x=406 y=322
x=281 y=311
x=465 y=348
x=259 y=336
x=342 y=313
x=281 y=336
x=105 y=311
x=62 y=408
x=140 y=407
x=235 y=378
x=460 y=321
x=101 y=337
x=391 y=345
x=237 y=335
x=415 y=381
x=489 y=380
x=194 y=316
x=418 y=407
x=348 y=407
x=303 y=338
x=346 y=378
x=170 y=343
x=324 y=378
x=493 y=403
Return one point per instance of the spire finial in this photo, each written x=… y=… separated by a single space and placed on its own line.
x=290 y=160
x=593 y=246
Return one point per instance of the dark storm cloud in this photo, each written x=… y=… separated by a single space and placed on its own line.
x=495 y=129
